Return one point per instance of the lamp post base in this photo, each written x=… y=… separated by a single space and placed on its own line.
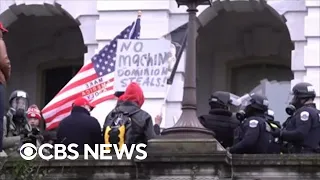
x=188 y=126
x=186 y=133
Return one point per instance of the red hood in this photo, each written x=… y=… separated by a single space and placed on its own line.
x=133 y=93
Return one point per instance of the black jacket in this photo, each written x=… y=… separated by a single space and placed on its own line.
x=80 y=128
x=253 y=135
x=222 y=123
x=142 y=125
x=303 y=129
x=156 y=127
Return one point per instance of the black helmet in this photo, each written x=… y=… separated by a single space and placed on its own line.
x=301 y=93
x=303 y=90
x=19 y=100
x=219 y=99
x=251 y=104
x=258 y=102
x=222 y=99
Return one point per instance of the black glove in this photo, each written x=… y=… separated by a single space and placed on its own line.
x=276 y=133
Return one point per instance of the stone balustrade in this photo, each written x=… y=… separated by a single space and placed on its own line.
x=174 y=160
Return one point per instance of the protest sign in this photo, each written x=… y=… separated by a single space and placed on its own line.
x=144 y=62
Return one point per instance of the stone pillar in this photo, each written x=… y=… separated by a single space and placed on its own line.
x=312 y=47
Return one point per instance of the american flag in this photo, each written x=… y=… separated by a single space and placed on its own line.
x=94 y=80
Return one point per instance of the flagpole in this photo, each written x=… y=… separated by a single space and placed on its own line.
x=175 y=67
x=170 y=79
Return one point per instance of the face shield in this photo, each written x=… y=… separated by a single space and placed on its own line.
x=19 y=106
x=247 y=100
x=244 y=101
x=234 y=102
x=19 y=103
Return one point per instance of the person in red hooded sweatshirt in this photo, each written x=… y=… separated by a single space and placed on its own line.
x=131 y=101
x=157 y=120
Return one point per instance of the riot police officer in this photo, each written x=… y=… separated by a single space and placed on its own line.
x=16 y=127
x=253 y=134
x=275 y=145
x=220 y=119
x=302 y=129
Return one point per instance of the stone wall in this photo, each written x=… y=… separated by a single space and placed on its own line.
x=176 y=160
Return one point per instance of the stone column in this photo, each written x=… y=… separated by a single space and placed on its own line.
x=312 y=47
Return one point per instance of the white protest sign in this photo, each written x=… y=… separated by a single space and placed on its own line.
x=144 y=62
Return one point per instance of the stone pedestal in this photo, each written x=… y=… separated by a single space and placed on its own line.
x=185 y=159
x=195 y=159
x=276 y=166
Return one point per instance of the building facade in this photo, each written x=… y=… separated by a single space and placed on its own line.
x=240 y=44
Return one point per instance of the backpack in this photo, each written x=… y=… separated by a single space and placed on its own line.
x=118 y=128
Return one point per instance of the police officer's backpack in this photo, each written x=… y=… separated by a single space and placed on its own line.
x=118 y=128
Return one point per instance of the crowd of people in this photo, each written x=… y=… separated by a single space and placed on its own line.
x=256 y=131
x=250 y=130
x=126 y=124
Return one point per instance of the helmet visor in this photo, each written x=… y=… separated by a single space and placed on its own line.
x=244 y=101
x=19 y=103
x=234 y=100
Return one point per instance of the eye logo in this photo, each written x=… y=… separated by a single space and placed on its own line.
x=28 y=151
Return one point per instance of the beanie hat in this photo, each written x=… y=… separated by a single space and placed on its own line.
x=34 y=112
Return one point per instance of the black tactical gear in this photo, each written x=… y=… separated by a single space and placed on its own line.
x=19 y=103
x=219 y=119
x=222 y=123
x=301 y=93
x=302 y=130
x=252 y=104
x=252 y=136
x=275 y=145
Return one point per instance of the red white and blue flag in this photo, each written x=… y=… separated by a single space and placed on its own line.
x=94 y=81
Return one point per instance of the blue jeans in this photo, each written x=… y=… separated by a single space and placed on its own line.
x=2 y=96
